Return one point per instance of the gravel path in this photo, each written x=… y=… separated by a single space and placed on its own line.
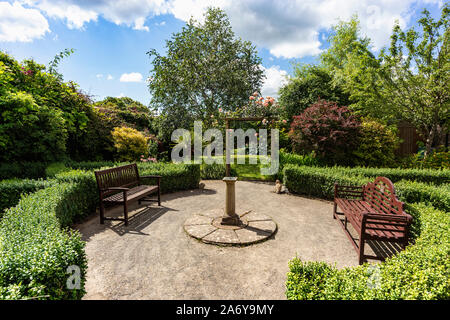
x=153 y=258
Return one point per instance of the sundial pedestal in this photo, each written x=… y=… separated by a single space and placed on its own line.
x=227 y=227
x=230 y=218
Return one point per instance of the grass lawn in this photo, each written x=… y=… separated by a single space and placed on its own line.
x=248 y=171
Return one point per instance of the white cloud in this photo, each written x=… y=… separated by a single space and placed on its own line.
x=131 y=77
x=132 y=13
x=139 y=24
x=185 y=9
x=288 y=28
x=18 y=23
x=99 y=76
x=275 y=79
x=109 y=77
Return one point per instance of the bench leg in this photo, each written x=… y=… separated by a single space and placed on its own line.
x=159 y=197
x=125 y=212
x=361 y=250
x=102 y=213
x=334 y=211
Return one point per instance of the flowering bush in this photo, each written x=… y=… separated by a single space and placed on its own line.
x=329 y=130
x=258 y=106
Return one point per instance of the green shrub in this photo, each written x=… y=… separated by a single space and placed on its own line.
x=175 y=177
x=411 y=192
x=317 y=182
x=12 y=190
x=436 y=177
x=376 y=145
x=215 y=171
x=22 y=170
x=35 y=252
x=436 y=160
x=91 y=165
x=80 y=203
x=396 y=174
x=306 y=280
x=55 y=168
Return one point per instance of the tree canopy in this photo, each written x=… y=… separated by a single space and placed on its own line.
x=310 y=82
x=205 y=68
x=415 y=75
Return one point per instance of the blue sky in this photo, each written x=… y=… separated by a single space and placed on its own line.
x=111 y=38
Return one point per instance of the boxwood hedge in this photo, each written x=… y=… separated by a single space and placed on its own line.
x=23 y=170
x=12 y=190
x=419 y=272
x=37 y=245
x=35 y=248
x=434 y=176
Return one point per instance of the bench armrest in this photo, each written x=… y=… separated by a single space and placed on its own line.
x=388 y=217
x=116 y=188
x=151 y=176
x=158 y=178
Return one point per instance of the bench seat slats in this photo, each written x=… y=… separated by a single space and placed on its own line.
x=132 y=194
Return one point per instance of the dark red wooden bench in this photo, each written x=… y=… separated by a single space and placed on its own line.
x=374 y=212
x=122 y=185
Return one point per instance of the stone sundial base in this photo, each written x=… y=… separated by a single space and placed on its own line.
x=208 y=228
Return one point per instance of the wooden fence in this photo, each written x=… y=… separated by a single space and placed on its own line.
x=410 y=137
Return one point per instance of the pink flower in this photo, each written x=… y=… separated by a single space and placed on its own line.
x=251 y=98
x=284 y=121
x=256 y=134
x=220 y=110
x=255 y=94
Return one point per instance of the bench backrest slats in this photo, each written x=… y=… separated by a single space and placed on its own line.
x=381 y=196
x=123 y=176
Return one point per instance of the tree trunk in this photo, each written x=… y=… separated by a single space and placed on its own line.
x=429 y=141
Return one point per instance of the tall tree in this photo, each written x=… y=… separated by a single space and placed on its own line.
x=355 y=69
x=205 y=68
x=415 y=75
x=309 y=83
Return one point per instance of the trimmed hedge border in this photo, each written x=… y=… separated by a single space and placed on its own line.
x=13 y=189
x=419 y=272
x=434 y=176
x=22 y=170
x=36 y=249
x=37 y=245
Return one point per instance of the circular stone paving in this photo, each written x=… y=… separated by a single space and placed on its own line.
x=254 y=227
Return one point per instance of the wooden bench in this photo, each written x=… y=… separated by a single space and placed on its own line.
x=121 y=185
x=374 y=212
